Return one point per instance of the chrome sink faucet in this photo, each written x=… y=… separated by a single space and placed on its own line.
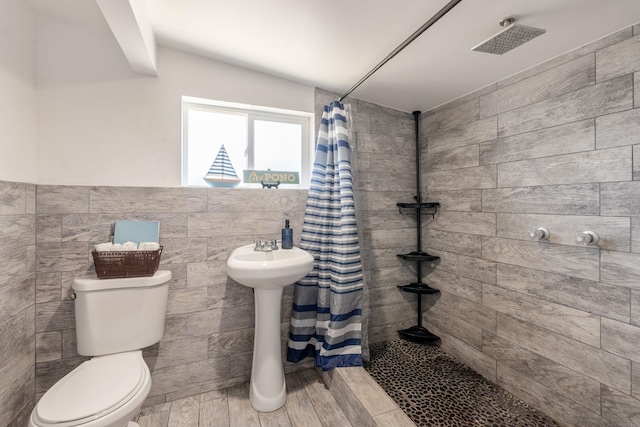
x=266 y=247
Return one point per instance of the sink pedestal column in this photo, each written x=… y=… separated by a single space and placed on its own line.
x=267 y=389
x=268 y=273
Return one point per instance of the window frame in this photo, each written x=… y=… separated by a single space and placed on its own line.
x=253 y=113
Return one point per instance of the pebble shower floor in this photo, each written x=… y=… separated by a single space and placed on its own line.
x=434 y=389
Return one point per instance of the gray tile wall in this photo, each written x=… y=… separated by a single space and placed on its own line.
x=553 y=322
x=17 y=302
x=208 y=340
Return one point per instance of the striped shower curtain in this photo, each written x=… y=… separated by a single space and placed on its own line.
x=327 y=304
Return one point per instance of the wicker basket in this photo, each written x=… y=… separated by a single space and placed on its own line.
x=118 y=264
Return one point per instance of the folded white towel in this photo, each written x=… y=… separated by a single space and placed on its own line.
x=148 y=246
x=127 y=246
x=104 y=247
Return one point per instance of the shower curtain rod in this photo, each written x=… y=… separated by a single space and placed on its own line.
x=404 y=44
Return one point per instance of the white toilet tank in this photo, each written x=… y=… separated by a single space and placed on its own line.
x=117 y=315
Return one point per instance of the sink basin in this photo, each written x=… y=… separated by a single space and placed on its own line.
x=268 y=270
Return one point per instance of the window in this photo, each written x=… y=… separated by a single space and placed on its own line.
x=254 y=139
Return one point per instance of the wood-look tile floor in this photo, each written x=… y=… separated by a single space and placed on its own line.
x=309 y=404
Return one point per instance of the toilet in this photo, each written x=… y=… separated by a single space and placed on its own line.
x=115 y=320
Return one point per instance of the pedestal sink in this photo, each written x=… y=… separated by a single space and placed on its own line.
x=268 y=273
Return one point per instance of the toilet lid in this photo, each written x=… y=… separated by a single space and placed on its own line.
x=93 y=388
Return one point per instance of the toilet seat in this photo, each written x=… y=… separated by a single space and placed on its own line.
x=92 y=390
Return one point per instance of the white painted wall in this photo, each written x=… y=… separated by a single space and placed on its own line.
x=101 y=124
x=18 y=114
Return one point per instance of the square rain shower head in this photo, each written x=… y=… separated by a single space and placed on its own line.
x=511 y=37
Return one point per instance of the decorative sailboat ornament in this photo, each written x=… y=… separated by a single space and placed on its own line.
x=221 y=173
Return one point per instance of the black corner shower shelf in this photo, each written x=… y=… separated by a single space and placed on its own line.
x=418 y=256
x=430 y=208
x=418 y=334
x=424 y=205
x=418 y=288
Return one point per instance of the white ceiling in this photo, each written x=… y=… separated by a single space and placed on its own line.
x=331 y=44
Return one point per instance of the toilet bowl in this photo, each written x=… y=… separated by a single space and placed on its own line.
x=115 y=320
x=105 y=391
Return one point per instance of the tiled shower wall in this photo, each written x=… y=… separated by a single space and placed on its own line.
x=208 y=339
x=554 y=322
